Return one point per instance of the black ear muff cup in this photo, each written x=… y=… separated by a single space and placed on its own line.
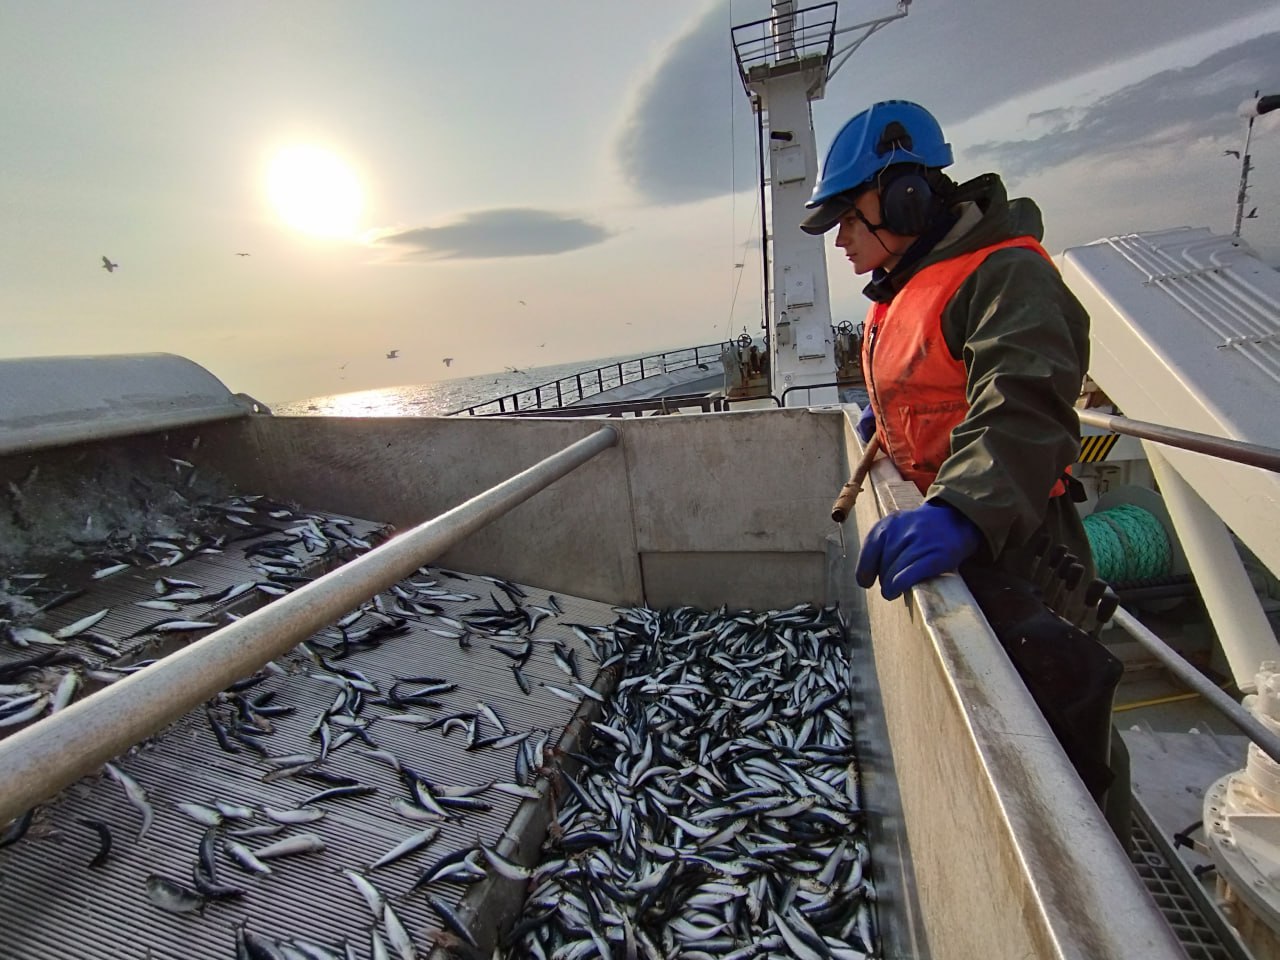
x=907 y=204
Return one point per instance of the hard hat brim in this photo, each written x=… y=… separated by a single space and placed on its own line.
x=827 y=214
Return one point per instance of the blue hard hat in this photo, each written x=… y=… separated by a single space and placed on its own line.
x=886 y=133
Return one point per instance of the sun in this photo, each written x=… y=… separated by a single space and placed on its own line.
x=315 y=192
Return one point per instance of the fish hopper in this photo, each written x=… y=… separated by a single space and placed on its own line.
x=365 y=654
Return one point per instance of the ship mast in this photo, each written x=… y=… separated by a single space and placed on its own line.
x=785 y=61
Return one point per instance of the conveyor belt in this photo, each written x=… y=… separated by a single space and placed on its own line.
x=54 y=905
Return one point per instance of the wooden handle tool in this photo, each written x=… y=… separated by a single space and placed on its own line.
x=849 y=492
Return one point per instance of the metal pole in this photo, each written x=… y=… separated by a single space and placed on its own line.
x=1243 y=192
x=764 y=216
x=42 y=759
x=1249 y=725
x=1253 y=454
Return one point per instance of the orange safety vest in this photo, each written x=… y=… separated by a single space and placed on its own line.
x=916 y=387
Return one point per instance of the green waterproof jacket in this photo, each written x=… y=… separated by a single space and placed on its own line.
x=1024 y=340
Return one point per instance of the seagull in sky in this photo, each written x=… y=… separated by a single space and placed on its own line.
x=542 y=344
x=522 y=303
x=393 y=354
x=448 y=361
x=1252 y=214
x=1231 y=153
x=108 y=266
x=241 y=254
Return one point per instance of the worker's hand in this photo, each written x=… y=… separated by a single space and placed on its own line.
x=905 y=548
x=866 y=427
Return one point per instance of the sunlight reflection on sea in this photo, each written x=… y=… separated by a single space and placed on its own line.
x=439 y=398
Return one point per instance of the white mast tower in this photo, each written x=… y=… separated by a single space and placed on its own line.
x=785 y=61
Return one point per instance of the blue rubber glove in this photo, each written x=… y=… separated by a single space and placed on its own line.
x=866 y=427
x=905 y=548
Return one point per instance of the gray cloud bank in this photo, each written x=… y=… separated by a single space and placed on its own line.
x=690 y=135
x=487 y=234
x=1199 y=101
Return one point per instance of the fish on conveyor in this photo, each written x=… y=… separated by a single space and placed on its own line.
x=406 y=847
x=81 y=625
x=397 y=935
x=172 y=625
x=718 y=810
x=104 y=841
x=367 y=890
x=173 y=897
x=291 y=846
x=137 y=796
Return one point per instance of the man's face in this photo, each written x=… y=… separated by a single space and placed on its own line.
x=868 y=250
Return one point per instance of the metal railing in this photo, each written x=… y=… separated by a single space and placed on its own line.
x=672 y=404
x=576 y=387
x=765 y=44
x=42 y=759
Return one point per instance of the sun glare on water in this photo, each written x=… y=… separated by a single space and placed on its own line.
x=315 y=192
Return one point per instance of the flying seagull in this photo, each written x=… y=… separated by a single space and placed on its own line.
x=1231 y=153
x=393 y=354
x=241 y=254
x=1252 y=214
x=448 y=361
x=522 y=303
x=108 y=266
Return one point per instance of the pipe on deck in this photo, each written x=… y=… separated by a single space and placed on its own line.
x=40 y=760
x=1252 y=454
x=1250 y=725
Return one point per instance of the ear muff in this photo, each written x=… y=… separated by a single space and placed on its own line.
x=908 y=204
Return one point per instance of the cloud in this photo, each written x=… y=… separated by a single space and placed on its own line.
x=486 y=234
x=689 y=133
x=1164 y=108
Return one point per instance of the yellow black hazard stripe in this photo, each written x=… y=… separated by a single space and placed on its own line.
x=1095 y=448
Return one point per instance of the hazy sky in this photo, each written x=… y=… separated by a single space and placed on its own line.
x=594 y=160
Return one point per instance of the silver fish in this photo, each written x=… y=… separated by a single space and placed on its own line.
x=367 y=890
x=81 y=625
x=173 y=897
x=137 y=796
x=300 y=843
x=244 y=857
x=399 y=938
x=406 y=847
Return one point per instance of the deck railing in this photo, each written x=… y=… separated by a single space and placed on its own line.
x=555 y=394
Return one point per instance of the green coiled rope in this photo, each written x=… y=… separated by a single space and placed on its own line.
x=1128 y=544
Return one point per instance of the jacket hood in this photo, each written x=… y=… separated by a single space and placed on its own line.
x=980 y=213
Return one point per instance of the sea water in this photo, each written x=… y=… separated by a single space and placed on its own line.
x=445 y=396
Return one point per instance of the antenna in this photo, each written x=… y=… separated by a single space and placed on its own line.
x=1251 y=109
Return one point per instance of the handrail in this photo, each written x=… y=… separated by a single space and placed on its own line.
x=807 y=386
x=42 y=759
x=1252 y=454
x=569 y=390
x=707 y=402
x=1250 y=725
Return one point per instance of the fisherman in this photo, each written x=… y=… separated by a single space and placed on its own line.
x=974 y=354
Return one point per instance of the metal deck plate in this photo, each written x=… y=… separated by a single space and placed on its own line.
x=52 y=904
x=1170 y=774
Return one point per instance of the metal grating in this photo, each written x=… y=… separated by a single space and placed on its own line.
x=53 y=905
x=1201 y=930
